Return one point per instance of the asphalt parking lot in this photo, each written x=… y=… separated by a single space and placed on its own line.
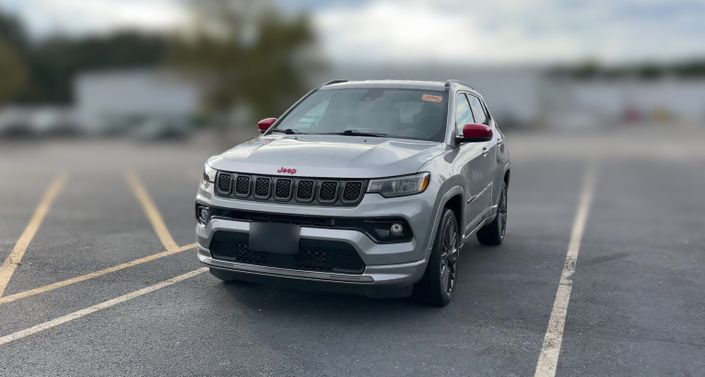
x=100 y=276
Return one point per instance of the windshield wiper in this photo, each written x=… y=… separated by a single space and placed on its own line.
x=288 y=131
x=358 y=133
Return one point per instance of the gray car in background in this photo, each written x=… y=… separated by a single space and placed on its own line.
x=366 y=186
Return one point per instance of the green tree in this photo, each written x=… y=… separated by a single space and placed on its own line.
x=13 y=71
x=55 y=62
x=245 y=53
x=13 y=66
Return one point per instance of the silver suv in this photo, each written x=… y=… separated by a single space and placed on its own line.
x=361 y=186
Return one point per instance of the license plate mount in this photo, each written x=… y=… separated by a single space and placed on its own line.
x=274 y=237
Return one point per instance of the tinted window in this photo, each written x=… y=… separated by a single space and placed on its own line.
x=398 y=113
x=463 y=114
x=480 y=116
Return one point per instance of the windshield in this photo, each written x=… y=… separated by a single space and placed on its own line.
x=395 y=113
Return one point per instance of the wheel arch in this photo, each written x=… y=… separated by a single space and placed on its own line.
x=453 y=198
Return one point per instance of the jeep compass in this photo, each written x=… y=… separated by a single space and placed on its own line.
x=369 y=187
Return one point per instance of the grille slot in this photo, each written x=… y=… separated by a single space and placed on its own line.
x=352 y=191
x=225 y=182
x=328 y=192
x=262 y=187
x=282 y=189
x=242 y=185
x=304 y=190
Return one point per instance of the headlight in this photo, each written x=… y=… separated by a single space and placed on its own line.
x=209 y=174
x=400 y=186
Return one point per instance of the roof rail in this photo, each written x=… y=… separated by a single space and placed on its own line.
x=448 y=82
x=337 y=81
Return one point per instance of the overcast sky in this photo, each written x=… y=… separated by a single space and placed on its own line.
x=433 y=31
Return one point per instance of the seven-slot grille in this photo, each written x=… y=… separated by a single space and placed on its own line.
x=342 y=192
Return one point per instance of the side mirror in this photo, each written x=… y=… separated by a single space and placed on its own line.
x=264 y=124
x=473 y=132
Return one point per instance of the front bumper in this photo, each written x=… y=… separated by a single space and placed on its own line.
x=396 y=275
x=386 y=264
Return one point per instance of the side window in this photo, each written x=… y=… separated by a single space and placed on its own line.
x=480 y=115
x=463 y=113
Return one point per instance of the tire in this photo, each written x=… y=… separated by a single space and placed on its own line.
x=492 y=234
x=438 y=282
x=223 y=275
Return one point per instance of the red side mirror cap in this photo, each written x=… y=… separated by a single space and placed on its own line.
x=264 y=124
x=477 y=132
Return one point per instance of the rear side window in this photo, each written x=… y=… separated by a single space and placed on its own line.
x=463 y=113
x=477 y=110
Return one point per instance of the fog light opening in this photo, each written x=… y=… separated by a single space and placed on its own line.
x=203 y=214
x=396 y=229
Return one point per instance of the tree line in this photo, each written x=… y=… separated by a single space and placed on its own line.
x=236 y=52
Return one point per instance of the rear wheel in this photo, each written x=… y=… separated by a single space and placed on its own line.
x=438 y=283
x=492 y=234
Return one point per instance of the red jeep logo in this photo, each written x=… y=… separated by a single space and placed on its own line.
x=286 y=170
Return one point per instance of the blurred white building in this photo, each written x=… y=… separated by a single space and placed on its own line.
x=512 y=92
x=108 y=99
x=664 y=100
x=528 y=97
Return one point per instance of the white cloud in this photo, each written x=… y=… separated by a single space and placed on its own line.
x=45 y=17
x=509 y=31
x=433 y=31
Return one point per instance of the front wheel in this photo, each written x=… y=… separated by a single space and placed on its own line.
x=438 y=283
x=492 y=234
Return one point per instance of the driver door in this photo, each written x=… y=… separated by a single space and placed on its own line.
x=487 y=163
x=471 y=158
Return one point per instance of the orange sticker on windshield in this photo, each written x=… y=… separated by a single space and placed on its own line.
x=431 y=98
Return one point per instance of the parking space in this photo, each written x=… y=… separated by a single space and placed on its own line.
x=635 y=307
x=638 y=304
x=99 y=205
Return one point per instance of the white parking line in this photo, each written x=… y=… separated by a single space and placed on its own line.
x=551 y=349
x=98 y=307
x=8 y=267
x=91 y=275
x=150 y=209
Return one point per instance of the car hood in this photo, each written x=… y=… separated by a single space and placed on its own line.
x=328 y=156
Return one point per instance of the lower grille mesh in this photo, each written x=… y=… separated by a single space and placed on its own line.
x=313 y=255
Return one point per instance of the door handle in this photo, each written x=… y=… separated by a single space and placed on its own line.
x=484 y=150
